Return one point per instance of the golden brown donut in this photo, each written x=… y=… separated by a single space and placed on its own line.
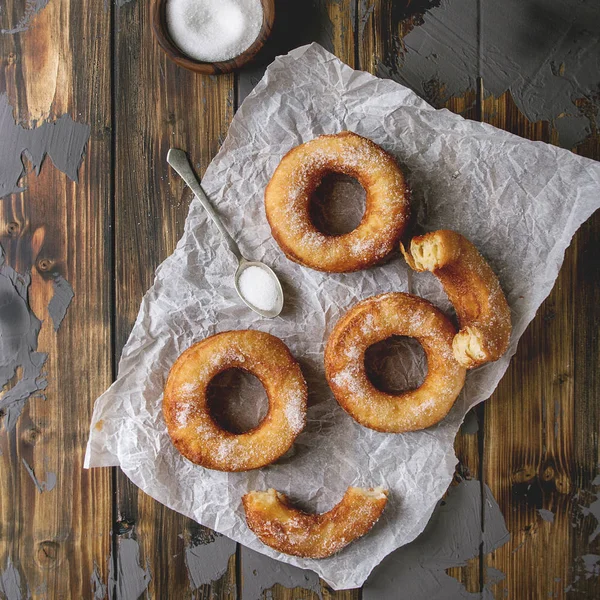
x=473 y=289
x=189 y=422
x=291 y=531
x=376 y=319
x=288 y=197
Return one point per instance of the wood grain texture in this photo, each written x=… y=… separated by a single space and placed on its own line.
x=60 y=537
x=380 y=35
x=157 y=105
x=537 y=444
x=332 y=23
x=541 y=425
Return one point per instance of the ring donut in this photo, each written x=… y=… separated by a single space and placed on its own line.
x=376 y=319
x=291 y=531
x=473 y=289
x=191 y=427
x=288 y=197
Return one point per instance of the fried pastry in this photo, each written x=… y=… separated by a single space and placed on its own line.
x=291 y=531
x=376 y=319
x=189 y=422
x=288 y=197
x=473 y=289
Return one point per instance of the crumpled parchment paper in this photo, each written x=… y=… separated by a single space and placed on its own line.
x=520 y=202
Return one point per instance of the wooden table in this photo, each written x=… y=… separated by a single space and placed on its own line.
x=88 y=534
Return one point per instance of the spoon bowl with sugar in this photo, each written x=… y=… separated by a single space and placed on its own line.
x=256 y=283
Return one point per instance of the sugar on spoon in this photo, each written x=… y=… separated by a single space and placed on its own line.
x=256 y=284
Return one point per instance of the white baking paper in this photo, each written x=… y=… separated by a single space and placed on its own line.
x=520 y=202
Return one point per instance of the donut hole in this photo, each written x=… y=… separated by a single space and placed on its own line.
x=237 y=401
x=338 y=204
x=396 y=364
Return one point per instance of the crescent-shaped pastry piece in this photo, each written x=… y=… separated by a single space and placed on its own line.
x=189 y=422
x=473 y=289
x=286 y=529
x=376 y=319
x=299 y=174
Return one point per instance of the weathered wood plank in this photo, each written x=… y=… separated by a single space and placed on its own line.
x=586 y=427
x=382 y=24
x=54 y=516
x=328 y=22
x=331 y=23
x=158 y=105
x=541 y=428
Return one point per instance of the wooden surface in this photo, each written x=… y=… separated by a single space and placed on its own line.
x=537 y=443
x=54 y=537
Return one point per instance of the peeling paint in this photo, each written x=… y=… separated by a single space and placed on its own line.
x=207 y=557
x=547 y=55
x=32 y=8
x=470 y=425
x=547 y=515
x=594 y=510
x=98 y=587
x=19 y=330
x=493 y=576
x=591 y=565
x=262 y=573
x=42 y=486
x=60 y=301
x=365 y=10
x=130 y=580
x=585 y=567
x=10 y=583
x=454 y=535
x=63 y=140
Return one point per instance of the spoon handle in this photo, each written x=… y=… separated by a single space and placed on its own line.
x=179 y=161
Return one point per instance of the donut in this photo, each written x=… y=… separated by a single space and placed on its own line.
x=288 y=197
x=189 y=422
x=473 y=289
x=376 y=319
x=286 y=529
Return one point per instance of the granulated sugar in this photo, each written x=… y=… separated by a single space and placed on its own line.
x=214 y=30
x=258 y=288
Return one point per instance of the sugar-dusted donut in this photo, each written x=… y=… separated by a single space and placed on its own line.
x=376 y=319
x=191 y=427
x=291 y=531
x=473 y=289
x=288 y=197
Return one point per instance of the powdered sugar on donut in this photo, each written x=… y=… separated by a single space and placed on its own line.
x=289 y=194
x=195 y=432
x=295 y=410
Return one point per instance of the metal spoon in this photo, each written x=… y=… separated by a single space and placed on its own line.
x=179 y=161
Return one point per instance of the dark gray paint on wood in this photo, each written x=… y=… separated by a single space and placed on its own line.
x=262 y=573
x=547 y=515
x=98 y=586
x=19 y=329
x=46 y=485
x=60 y=301
x=63 y=140
x=10 y=583
x=546 y=54
x=127 y=579
x=455 y=534
x=207 y=557
x=30 y=9
x=594 y=509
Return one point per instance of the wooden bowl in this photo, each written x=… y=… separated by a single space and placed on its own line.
x=161 y=32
